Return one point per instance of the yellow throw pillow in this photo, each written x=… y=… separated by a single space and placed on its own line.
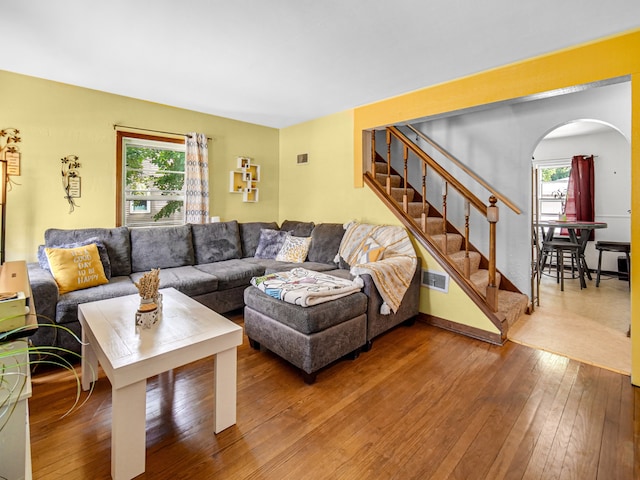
x=76 y=268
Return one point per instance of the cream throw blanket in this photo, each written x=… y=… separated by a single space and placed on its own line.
x=392 y=273
x=304 y=287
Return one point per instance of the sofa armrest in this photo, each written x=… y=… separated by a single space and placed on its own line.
x=44 y=291
x=378 y=323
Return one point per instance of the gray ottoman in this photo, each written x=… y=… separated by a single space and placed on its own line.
x=308 y=337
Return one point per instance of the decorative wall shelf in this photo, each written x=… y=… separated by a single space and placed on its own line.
x=245 y=179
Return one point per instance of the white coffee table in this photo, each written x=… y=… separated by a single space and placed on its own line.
x=187 y=332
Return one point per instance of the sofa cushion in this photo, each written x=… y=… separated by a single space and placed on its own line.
x=161 y=247
x=187 y=280
x=102 y=251
x=271 y=265
x=296 y=228
x=215 y=242
x=270 y=243
x=76 y=268
x=325 y=242
x=115 y=239
x=232 y=273
x=250 y=235
x=67 y=307
x=294 y=249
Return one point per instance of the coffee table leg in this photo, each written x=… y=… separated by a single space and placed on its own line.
x=225 y=389
x=128 y=434
x=88 y=362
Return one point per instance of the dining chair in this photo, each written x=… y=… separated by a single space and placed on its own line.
x=621 y=247
x=562 y=247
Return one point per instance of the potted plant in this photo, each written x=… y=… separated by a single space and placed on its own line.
x=17 y=359
x=17 y=356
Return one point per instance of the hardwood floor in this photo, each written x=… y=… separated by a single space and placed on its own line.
x=424 y=403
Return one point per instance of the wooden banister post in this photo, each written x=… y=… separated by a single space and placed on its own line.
x=467 y=260
x=445 y=247
x=425 y=211
x=388 y=162
x=405 y=198
x=493 y=216
x=373 y=153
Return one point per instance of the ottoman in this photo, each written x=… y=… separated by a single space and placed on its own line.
x=308 y=337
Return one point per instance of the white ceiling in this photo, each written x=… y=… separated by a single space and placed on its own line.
x=282 y=62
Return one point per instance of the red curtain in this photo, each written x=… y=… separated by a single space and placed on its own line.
x=580 y=204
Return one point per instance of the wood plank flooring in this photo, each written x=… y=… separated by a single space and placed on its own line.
x=424 y=403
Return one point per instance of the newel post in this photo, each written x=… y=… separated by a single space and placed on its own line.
x=493 y=215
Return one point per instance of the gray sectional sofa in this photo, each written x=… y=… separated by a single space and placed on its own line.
x=212 y=263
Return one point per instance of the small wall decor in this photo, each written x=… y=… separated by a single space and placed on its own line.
x=9 y=150
x=71 y=180
x=9 y=165
x=244 y=179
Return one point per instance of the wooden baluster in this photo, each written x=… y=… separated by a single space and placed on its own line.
x=444 y=216
x=425 y=210
x=492 y=289
x=467 y=260
x=388 y=162
x=373 y=153
x=405 y=196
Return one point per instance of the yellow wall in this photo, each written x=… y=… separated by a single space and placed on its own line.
x=323 y=191
x=57 y=120
x=613 y=57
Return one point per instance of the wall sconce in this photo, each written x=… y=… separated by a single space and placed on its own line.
x=70 y=180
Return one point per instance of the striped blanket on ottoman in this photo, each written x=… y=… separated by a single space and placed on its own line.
x=304 y=287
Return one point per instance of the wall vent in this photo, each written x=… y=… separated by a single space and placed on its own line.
x=303 y=158
x=435 y=280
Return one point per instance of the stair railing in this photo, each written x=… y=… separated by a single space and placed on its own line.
x=490 y=212
x=464 y=168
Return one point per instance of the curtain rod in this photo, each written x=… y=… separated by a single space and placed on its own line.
x=560 y=158
x=115 y=125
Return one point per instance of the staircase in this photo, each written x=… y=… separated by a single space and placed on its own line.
x=446 y=244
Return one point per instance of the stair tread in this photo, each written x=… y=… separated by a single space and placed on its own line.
x=381 y=178
x=512 y=304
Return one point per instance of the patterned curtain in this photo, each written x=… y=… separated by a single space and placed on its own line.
x=197 y=178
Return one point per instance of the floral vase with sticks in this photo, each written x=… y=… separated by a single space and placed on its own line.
x=150 y=310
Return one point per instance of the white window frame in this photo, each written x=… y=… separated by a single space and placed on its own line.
x=543 y=164
x=126 y=194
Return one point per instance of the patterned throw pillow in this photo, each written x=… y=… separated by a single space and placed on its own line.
x=370 y=251
x=270 y=243
x=294 y=250
x=76 y=268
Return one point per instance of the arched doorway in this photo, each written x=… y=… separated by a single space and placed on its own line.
x=589 y=325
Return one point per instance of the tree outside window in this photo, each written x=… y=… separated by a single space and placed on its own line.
x=152 y=180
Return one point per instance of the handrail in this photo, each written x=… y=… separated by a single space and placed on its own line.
x=469 y=172
x=425 y=157
x=489 y=212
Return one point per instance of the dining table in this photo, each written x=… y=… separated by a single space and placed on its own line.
x=579 y=232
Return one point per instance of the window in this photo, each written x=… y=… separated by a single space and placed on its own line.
x=553 y=180
x=150 y=180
